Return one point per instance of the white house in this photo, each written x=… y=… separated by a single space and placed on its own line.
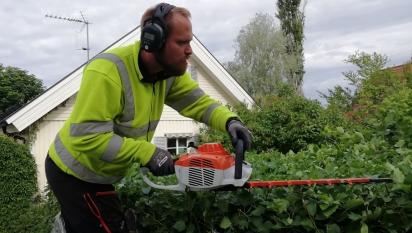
x=49 y=111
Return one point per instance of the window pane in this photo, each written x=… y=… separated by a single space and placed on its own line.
x=181 y=150
x=182 y=142
x=172 y=151
x=171 y=142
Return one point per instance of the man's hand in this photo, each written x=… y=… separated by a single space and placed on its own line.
x=161 y=163
x=238 y=131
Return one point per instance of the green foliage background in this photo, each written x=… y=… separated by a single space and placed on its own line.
x=21 y=209
x=17 y=87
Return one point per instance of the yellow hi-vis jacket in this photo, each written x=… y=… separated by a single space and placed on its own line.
x=116 y=114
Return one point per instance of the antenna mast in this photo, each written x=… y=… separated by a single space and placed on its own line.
x=76 y=20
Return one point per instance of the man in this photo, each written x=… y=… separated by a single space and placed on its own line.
x=117 y=109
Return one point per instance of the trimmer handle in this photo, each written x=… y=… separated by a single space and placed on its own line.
x=176 y=187
x=240 y=156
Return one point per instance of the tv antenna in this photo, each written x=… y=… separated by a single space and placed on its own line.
x=77 y=20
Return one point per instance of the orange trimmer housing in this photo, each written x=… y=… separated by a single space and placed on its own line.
x=210 y=155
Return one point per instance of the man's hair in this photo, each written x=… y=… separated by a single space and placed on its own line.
x=176 y=10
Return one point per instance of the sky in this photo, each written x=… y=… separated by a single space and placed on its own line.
x=334 y=29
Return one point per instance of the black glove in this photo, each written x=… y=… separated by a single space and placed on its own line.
x=237 y=131
x=161 y=163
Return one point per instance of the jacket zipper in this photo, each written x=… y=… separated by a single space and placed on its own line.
x=151 y=109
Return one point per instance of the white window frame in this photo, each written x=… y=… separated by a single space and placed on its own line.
x=177 y=146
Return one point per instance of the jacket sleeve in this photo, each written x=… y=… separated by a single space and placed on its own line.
x=99 y=102
x=188 y=99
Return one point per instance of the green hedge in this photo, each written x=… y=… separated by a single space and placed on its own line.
x=17 y=181
x=287 y=124
x=344 y=208
x=21 y=208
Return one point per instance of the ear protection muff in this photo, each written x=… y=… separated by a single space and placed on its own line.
x=154 y=31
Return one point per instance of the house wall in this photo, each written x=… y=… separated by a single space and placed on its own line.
x=48 y=127
x=171 y=123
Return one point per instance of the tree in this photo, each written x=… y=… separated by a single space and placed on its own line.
x=340 y=98
x=260 y=57
x=17 y=87
x=371 y=85
x=292 y=24
x=367 y=64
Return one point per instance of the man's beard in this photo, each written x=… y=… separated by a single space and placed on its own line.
x=170 y=69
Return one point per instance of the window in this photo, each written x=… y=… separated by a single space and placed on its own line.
x=177 y=146
x=175 y=143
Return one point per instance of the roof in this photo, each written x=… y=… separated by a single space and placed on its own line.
x=70 y=84
x=407 y=67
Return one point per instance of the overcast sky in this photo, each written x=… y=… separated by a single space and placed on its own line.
x=51 y=48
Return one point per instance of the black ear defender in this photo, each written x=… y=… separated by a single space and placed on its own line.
x=154 y=31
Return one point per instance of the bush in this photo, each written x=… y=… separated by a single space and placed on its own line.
x=374 y=90
x=394 y=118
x=285 y=124
x=20 y=206
x=17 y=181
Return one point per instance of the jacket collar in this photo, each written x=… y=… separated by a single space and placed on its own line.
x=143 y=74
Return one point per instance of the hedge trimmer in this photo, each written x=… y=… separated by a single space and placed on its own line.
x=211 y=167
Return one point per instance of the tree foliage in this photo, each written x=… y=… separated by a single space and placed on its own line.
x=368 y=67
x=367 y=64
x=260 y=58
x=17 y=87
x=291 y=18
x=371 y=83
x=339 y=98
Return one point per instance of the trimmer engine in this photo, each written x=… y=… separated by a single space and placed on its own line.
x=209 y=166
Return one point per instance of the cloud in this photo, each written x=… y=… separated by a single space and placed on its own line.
x=336 y=29
x=49 y=48
x=318 y=81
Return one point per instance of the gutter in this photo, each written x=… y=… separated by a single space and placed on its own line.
x=16 y=136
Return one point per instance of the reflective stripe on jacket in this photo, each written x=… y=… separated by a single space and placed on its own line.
x=115 y=116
